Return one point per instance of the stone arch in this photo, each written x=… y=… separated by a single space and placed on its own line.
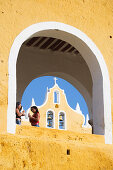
x=101 y=100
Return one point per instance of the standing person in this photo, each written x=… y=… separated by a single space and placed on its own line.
x=34 y=119
x=18 y=113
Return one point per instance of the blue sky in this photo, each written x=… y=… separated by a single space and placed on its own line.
x=38 y=87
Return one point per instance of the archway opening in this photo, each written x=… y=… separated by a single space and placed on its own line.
x=67 y=64
x=70 y=112
x=66 y=52
x=62 y=120
x=50 y=119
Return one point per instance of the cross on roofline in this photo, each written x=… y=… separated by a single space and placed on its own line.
x=55 y=79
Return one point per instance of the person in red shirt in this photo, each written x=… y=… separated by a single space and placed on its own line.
x=34 y=119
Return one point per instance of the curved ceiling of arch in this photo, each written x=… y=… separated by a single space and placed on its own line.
x=60 y=57
x=51 y=44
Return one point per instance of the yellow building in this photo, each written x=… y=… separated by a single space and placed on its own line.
x=56 y=113
x=70 y=39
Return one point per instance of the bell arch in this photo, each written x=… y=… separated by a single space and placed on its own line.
x=99 y=91
x=62 y=120
x=50 y=119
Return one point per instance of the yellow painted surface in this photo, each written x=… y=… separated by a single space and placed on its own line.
x=94 y=18
x=3 y=118
x=32 y=148
x=46 y=149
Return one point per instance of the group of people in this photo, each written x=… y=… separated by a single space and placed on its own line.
x=33 y=119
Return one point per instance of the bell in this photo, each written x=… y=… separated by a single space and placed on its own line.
x=49 y=117
x=60 y=118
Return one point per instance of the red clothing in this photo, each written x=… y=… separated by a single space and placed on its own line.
x=36 y=115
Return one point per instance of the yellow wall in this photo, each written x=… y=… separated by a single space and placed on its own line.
x=46 y=149
x=94 y=18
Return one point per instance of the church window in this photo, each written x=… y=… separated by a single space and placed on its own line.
x=56 y=97
x=50 y=119
x=61 y=120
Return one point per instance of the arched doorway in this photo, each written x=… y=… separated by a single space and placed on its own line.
x=85 y=69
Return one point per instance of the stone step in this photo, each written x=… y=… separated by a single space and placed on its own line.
x=58 y=134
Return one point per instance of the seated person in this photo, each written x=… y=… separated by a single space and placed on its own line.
x=18 y=113
x=34 y=119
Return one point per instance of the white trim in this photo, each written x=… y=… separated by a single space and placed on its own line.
x=76 y=84
x=27 y=33
x=65 y=120
x=80 y=113
x=53 y=118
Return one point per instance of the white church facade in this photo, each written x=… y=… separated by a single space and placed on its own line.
x=55 y=112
